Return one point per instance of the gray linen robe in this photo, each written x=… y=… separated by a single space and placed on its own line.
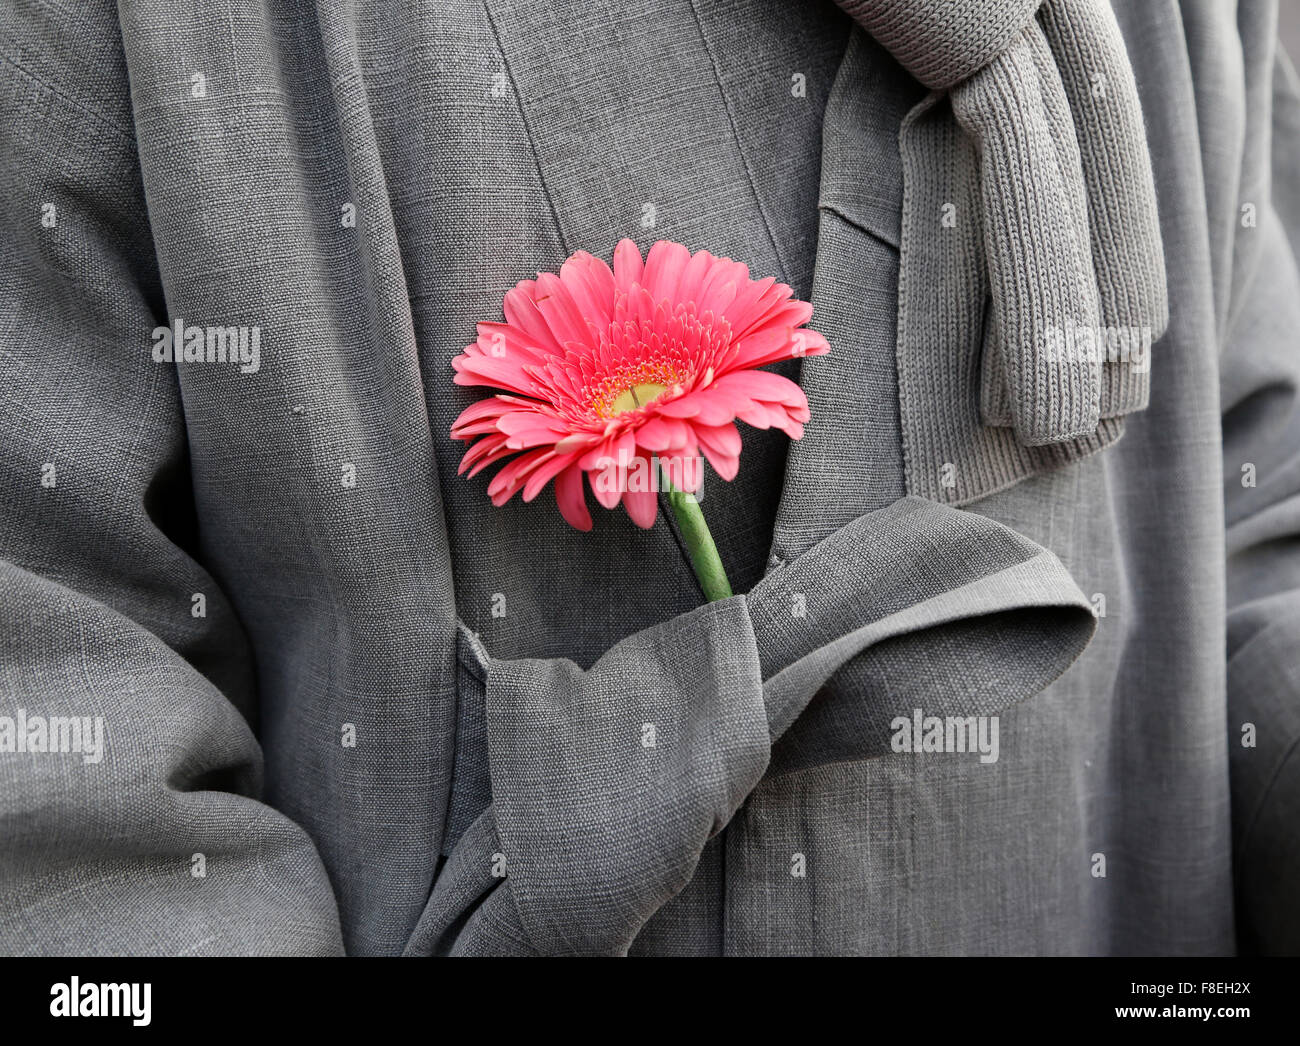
x=349 y=705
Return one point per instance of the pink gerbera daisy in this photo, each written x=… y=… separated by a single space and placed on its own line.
x=602 y=369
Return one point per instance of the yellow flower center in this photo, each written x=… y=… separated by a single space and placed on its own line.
x=631 y=387
x=636 y=396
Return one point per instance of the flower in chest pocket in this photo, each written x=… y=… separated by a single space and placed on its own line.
x=607 y=373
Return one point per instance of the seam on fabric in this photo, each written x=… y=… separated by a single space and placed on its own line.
x=84 y=110
x=831 y=208
x=735 y=137
x=528 y=129
x=1286 y=756
x=1253 y=820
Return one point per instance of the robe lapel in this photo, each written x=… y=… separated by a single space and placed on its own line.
x=850 y=458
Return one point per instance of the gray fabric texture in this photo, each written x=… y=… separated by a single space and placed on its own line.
x=391 y=690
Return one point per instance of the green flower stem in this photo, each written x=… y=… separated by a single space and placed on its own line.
x=700 y=546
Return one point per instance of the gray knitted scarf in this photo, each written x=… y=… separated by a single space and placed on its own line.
x=1044 y=91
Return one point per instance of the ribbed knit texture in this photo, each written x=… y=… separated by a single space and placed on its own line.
x=1052 y=183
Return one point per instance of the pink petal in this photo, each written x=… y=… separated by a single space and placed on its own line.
x=478 y=428
x=744 y=310
x=716 y=299
x=590 y=460
x=503 y=373
x=765 y=309
x=727 y=468
x=500 y=452
x=755 y=414
x=642 y=507
x=483 y=446
x=504 y=484
x=718 y=406
x=813 y=343
x=485 y=408
x=521 y=311
x=725 y=465
x=792 y=429
x=623 y=444
x=765 y=345
x=663 y=269
x=682 y=407
x=655 y=434
x=691 y=285
x=504 y=339
x=544 y=473
x=721 y=439
x=772 y=416
x=789 y=313
x=770 y=344
x=721 y=284
x=562 y=314
x=607 y=484
x=529 y=424
x=570 y=500
x=591 y=283
x=761 y=385
x=535 y=438
x=680 y=434
x=628 y=268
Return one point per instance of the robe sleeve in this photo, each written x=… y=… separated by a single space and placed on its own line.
x=1261 y=440
x=607 y=783
x=142 y=832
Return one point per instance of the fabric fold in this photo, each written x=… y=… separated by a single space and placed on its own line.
x=607 y=783
x=961 y=616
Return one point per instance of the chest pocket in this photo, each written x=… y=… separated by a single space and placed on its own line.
x=953 y=416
